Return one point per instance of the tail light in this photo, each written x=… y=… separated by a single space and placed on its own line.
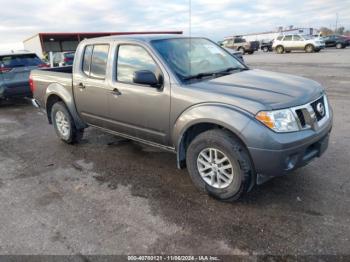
x=31 y=84
x=5 y=69
x=67 y=60
x=43 y=65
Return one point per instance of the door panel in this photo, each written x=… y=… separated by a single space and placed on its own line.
x=298 y=42
x=90 y=86
x=138 y=110
x=91 y=100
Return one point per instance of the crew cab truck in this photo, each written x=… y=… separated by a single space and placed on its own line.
x=231 y=126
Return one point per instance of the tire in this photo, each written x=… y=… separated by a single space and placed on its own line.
x=64 y=124
x=279 y=49
x=265 y=49
x=226 y=145
x=309 y=49
x=339 y=46
x=242 y=50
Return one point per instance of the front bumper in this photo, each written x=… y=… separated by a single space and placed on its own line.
x=279 y=154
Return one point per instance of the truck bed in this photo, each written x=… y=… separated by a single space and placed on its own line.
x=57 y=76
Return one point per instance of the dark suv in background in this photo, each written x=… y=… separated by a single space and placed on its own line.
x=240 y=44
x=336 y=41
x=15 y=68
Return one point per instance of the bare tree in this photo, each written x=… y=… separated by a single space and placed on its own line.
x=340 y=30
x=326 y=31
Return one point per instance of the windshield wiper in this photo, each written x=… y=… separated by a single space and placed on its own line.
x=227 y=71
x=199 y=76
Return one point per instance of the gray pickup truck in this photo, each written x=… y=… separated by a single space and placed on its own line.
x=231 y=126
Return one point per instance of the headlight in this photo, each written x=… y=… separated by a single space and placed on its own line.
x=278 y=120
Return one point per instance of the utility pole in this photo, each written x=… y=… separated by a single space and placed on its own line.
x=336 y=23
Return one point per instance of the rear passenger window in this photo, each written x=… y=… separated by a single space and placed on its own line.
x=87 y=59
x=288 y=38
x=95 y=61
x=99 y=61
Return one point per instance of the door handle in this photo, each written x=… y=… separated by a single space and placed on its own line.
x=81 y=85
x=116 y=92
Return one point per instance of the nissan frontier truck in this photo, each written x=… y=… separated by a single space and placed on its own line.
x=232 y=127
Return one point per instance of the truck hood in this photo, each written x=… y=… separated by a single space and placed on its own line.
x=272 y=90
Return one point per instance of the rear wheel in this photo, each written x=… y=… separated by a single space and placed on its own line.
x=309 y=49
x=64 y=125
x=279 y=49
x=219 y=165
x=242 y=50
x=339 y=46
x=265 y=49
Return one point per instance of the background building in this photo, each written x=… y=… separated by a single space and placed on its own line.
x=43 y=43
x=270 y=35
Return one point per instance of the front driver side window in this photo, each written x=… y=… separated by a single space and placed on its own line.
x=297 y=38
x=132 y=58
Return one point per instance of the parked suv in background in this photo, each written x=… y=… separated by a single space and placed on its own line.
x=336 y=41
x=15 y=68
x=288 y=43
x=240 y=44
x=63 y=59
x=266 y=45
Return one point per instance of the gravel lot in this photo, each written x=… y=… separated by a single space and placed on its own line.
x=108 y=195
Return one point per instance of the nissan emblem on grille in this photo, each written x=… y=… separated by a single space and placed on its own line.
x=320 y=109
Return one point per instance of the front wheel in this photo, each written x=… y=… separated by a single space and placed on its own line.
x=279 y=49
x=219 y=165
x=64 y=124
x=309 y=49
x=265 y=49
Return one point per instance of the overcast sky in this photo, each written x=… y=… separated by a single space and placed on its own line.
x=215 y=19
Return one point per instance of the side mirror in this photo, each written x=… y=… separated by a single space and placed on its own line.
x=145 y=77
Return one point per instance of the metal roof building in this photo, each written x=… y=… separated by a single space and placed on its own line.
x=43 y=43
x=270 y=35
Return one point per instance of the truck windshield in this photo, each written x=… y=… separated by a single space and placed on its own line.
x=196 y=57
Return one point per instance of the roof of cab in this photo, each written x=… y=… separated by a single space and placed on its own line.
x=140 y=38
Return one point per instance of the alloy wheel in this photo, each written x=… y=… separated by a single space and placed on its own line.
x=215 y=168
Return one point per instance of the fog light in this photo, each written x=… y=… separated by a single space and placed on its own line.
x=291 y=161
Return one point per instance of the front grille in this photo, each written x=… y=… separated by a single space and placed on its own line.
x=319 y=114
x=301 y=117
x=312 y=115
